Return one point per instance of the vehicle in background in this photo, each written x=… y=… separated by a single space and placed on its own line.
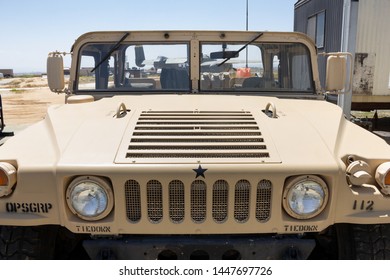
x=7 y=73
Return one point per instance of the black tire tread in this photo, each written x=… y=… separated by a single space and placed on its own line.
x=23 y=243
x=364 y=242
x=372 y=242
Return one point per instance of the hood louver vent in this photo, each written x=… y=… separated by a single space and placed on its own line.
x=188 y=136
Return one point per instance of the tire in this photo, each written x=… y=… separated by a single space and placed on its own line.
x=24 y=243
x=363 y=242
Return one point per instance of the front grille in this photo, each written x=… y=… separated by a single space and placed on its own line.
x=176 y=195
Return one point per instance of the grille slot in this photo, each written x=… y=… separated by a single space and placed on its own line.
x=205 y=147
x=155 y=202
x=222 y=115
x=241 y=201
x=220 y=201
x=198 y=201
x=263 y=200
x=176 y=201
x=196 y=155
x=133 y=200
x=186 y=133
x=196 y=127
x=196 y=123
x=195 y=140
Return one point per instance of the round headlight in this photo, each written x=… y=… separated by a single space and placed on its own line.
x=90 y=197
x=305 y=196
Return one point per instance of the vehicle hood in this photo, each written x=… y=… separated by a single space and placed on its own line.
x=172 y=129
x=179 y=129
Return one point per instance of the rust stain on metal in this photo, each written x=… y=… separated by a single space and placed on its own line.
x=364 y=68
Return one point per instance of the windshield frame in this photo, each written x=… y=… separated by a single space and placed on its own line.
x=193 y=40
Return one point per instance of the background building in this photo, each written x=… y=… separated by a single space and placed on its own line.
x=357 y=26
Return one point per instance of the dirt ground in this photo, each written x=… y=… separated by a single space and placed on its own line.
x=25 y=100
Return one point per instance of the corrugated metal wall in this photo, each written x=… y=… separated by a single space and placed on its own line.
x=373 y=39
x=371 y=84
x=333 y=25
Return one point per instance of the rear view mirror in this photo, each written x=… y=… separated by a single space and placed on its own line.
x=55 y=72
x=224 y=54
x=338 y=75
x=139 y=56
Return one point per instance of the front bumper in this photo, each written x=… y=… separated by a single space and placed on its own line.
x=185 y=247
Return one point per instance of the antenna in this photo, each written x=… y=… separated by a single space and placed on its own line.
x=246 y=51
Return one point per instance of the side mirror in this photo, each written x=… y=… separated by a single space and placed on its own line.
x=338 y=75
x=55 y=72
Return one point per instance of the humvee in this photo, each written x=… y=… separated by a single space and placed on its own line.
x=195 y=145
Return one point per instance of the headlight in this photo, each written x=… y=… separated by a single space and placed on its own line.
x=7 y=178
x=90 y=197
x=305 y=196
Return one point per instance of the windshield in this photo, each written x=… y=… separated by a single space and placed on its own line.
x=258 y=67
x=223 y=66
x=146 y=67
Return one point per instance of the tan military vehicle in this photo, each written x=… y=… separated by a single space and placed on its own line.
x=195 y=145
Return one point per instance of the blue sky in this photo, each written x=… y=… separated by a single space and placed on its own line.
x=31 y=29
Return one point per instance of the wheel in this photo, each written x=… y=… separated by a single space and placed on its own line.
x=363 y=242
x=22 y=243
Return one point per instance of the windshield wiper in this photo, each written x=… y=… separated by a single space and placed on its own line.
x=114 y=48
x=243 y=47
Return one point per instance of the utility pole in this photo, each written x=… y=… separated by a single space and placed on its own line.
x=246 y=15
x=348 y=44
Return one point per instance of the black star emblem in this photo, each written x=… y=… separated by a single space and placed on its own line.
x=200 y=171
